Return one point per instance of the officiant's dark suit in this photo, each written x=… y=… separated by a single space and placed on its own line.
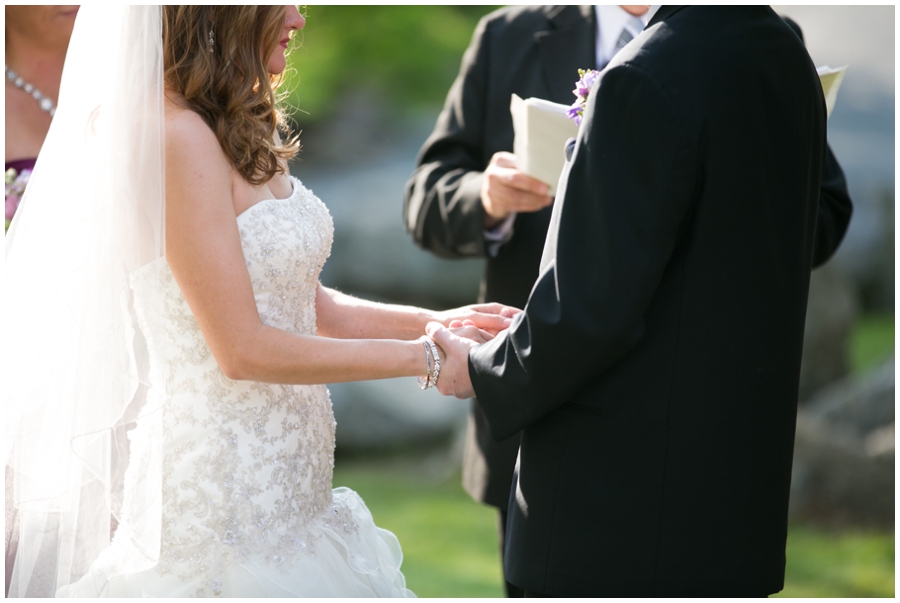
x=655 y=370
x=532 y=52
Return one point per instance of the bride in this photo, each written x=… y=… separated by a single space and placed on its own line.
x=167 y=335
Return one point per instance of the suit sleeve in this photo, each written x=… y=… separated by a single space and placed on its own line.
x=625 y=200
x=835 y=209
x=442 y=201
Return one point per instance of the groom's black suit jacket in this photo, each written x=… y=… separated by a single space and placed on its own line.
x=654 y=372
x=533 y=51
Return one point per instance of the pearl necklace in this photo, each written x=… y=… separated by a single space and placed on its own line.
x=45 y=103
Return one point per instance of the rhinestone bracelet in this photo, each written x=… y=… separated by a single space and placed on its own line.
x=436 y=371
x=425 y=382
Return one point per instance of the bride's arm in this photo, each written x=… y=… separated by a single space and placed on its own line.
x=203 y=250
x=347 y=317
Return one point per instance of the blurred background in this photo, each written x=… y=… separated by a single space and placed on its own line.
x=367 y=85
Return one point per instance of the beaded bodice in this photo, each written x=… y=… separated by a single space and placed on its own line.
x=247 y=466
x=286 y=243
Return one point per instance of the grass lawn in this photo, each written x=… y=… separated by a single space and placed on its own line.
x=871 y=342
x=450 y=543
x=826 y=563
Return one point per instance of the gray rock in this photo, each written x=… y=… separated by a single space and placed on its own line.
x=858 y=406
x=393 y=414
x=830 y=314
x=838 y=479
x=373 y=256
x=878 y=288
x=844 y=452
x=880 y=442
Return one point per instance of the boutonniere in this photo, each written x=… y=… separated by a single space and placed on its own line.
x=581 y=91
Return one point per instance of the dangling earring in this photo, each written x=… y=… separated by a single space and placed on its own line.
x=212 y=41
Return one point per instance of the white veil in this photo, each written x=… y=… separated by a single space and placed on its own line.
x=75 y=366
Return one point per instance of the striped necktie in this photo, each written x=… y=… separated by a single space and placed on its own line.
x=631 y=29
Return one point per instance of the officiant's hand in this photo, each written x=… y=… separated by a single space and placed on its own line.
x=454 y=344
x=492 y=317
x=506 y=190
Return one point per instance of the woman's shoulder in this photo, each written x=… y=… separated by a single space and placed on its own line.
x=185 y=128
x=190 y=140
x=196 y=167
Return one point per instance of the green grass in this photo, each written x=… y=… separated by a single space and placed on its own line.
x=872 y=341
x=450 y=542
x=825 y=563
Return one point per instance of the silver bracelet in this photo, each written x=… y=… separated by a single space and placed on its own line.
x=425 y=382
x=436 y=371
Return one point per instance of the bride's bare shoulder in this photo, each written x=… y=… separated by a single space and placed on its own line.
x=196 y=167
x=190 y=142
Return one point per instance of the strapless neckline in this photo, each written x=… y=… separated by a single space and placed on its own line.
x=295 y=187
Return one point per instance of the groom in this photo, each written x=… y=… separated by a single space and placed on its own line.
x=654 y=372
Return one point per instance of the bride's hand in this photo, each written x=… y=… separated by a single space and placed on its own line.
x=491 y=318
x=468 y=330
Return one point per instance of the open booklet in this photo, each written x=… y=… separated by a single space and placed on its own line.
x=831 y=81
x=542 y=130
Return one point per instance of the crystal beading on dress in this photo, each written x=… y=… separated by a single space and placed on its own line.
x=247 y=467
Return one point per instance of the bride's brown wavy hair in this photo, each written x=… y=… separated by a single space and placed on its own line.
x=216 y=57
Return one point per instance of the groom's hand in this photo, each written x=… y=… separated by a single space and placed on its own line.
x=455 y=344
x=506 y=190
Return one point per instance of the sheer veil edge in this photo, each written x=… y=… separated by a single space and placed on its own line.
x=82 y=484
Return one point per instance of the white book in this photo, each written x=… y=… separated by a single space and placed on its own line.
x=541 y=131
x=831 y=81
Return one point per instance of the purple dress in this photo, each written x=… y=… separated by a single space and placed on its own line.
x=15 y=189
x=20 y=164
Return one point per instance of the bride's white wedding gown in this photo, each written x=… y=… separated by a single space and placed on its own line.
x=248 y=507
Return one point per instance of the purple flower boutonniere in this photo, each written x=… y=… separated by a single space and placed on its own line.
x=581 y=91
x=15 y=187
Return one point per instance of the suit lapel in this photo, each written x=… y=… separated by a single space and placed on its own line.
x=568 y=41
x=664 y=13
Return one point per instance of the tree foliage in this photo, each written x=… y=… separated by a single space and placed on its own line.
x=409 y=54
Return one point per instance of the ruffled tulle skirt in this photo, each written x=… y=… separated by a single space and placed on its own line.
x=364 y=564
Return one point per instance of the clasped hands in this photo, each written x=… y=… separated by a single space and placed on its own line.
x=457 y=333
x=505 y=190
